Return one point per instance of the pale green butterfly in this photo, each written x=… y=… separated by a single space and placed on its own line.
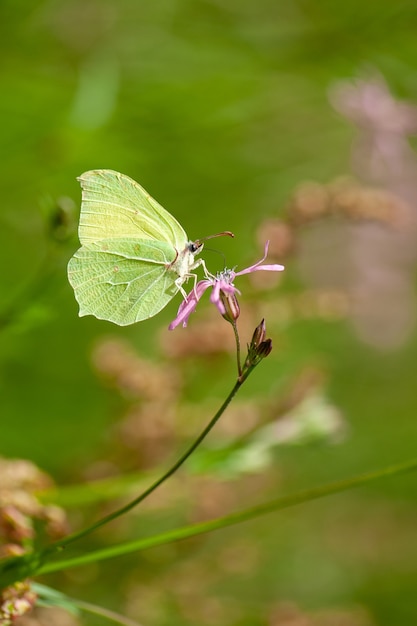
x=134 y=255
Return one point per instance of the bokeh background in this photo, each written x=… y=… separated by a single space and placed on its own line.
x=290 y=121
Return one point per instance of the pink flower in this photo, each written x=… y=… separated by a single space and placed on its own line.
x=223 y=289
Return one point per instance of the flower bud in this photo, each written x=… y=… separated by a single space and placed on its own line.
x=231 y=306
x=258 y=335
x=264 y=348
x=259 y=347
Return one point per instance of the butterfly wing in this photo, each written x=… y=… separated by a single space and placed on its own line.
x=115 y=206
x=123 y=280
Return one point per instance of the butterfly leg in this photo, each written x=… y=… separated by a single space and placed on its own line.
x=181 y=279
x=207 y=274
x=182 y=290
x=179 y=282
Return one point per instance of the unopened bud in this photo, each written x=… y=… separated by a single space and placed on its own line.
x=258 y=335
x=259 y=347
x=264 y=348
x=231 y=306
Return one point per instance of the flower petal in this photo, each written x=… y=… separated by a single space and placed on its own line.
x=222 y=287
x=218 y=287
x=257 y=266
x=189 y=305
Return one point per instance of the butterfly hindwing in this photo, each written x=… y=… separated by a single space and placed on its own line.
x=123 y=280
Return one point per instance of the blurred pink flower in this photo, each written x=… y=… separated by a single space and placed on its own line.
x=222 y=289
x=381 y=281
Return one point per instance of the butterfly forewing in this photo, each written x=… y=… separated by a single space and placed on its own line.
x=123 y=280
x=115 y=206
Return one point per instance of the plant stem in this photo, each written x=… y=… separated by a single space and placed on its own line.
x=106 y=613
x=237 y=339
x=63 y=543
x=232 y=519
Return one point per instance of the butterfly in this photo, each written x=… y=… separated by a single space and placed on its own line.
x=134 y=255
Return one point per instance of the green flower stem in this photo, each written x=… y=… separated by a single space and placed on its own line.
x=229 y=520
x=63 y=543
x=237 y=339
x=105 y=613
x=48 y=597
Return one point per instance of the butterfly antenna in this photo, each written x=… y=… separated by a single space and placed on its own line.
x=227 y=233
x=217 y=252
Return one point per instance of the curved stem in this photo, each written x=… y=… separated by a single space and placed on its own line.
x=106 y=613
x=63 y=543
x=49 y=597
x=230 y=520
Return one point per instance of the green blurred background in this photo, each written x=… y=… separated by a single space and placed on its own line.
x=220 y=110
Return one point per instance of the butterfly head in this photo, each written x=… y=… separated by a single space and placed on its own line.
x=184 y=262
x=195 y=247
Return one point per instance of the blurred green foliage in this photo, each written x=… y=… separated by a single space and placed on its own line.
x=219 y=109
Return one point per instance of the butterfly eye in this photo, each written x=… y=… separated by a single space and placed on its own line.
x=195 y=246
